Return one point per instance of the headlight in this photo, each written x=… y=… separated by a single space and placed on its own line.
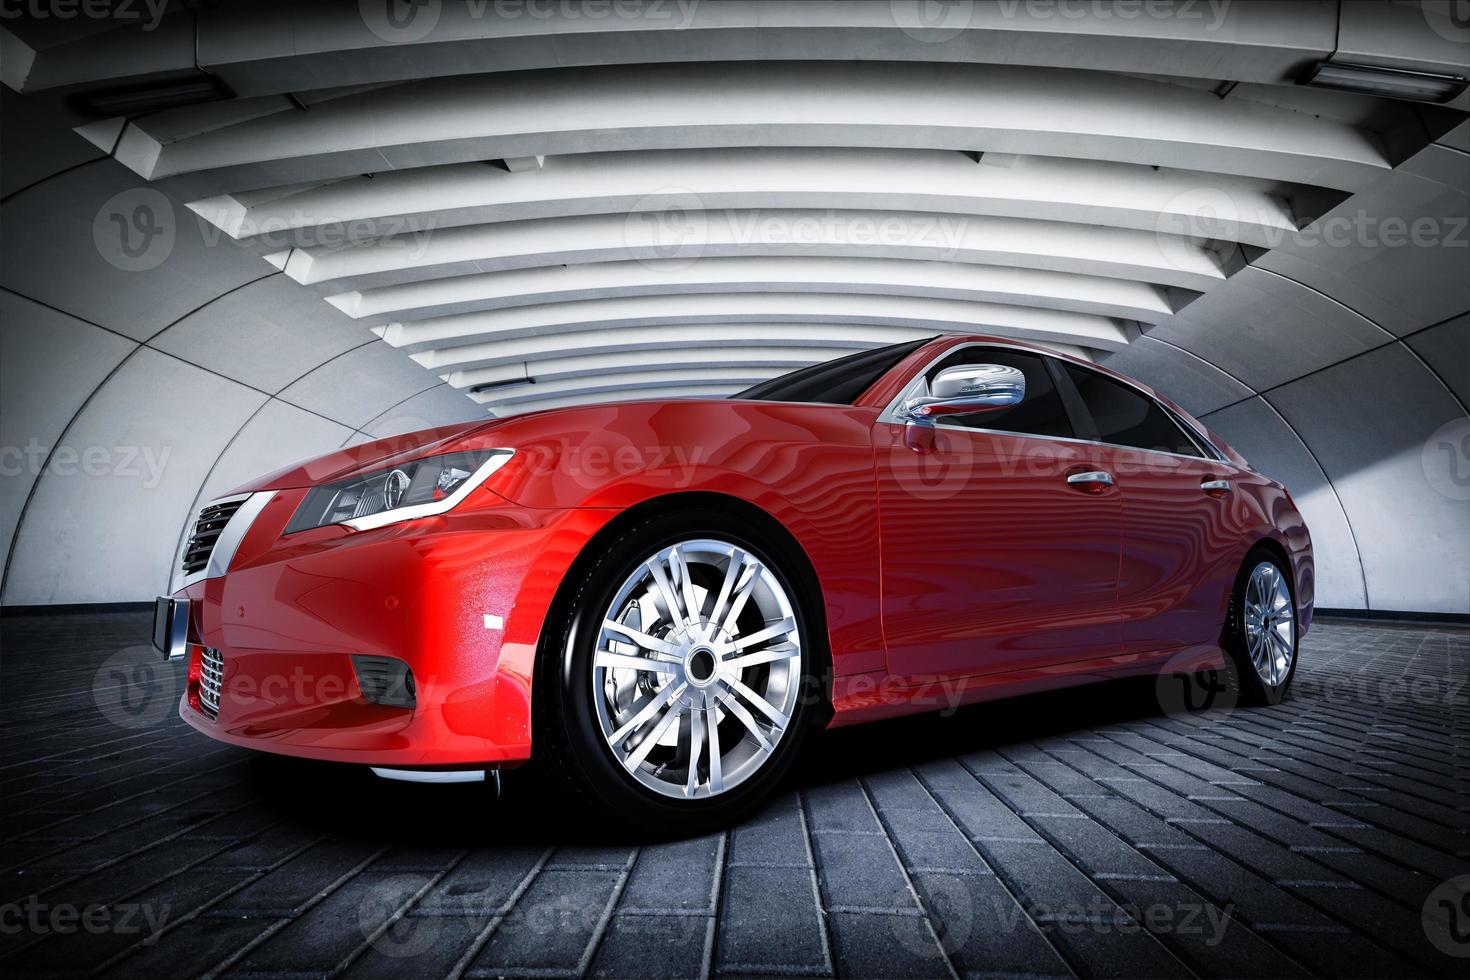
x=421 y=488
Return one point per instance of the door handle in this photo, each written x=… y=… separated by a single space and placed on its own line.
x=1216 y=488
x=1090 y=481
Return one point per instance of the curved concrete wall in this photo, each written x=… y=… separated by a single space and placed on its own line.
x=1339 y=363
x=134 y=387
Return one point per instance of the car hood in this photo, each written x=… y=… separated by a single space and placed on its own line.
x=489 y=433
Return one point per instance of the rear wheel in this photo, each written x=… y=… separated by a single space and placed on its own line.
x=681 y=688
x=1264 y=628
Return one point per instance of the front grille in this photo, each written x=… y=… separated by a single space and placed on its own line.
x=212 y=521
x=211 y=680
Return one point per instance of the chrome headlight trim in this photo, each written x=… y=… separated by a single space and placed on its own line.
x=433 y=508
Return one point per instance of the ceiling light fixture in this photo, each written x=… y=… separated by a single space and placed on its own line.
x=1388 y=83
x=137 y=99
x=508 y=383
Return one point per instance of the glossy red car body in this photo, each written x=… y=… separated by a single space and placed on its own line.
x=950 y=571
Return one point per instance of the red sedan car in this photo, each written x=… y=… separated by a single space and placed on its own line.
x=659 y=598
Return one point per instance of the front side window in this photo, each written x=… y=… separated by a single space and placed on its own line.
x=1127 y=417
x=1040 y=413
x=838 y=382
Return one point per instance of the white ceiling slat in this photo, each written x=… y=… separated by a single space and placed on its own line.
x=938 y=315
x=1061 y=247
x=428 y=199
x=709 y=337
x=1119 y=298
x=274 y=46
x=994 y=108
x=579 y=365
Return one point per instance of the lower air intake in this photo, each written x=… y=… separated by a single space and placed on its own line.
x=384 y=680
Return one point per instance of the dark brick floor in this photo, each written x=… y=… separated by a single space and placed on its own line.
x=1086 y=833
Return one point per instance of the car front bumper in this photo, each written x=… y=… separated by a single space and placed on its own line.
x=459 y=600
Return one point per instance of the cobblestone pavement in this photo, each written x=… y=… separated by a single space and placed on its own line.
x=1086 y=833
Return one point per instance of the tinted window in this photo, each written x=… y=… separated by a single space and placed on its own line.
x=1040 y=413
x=838 y=382
x=1127 y=417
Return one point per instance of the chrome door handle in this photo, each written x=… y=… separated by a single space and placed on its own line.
x=1216 y=488
x=1091 y=476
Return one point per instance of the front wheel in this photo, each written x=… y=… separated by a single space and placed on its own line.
x=1263 y=628
x=683 y=662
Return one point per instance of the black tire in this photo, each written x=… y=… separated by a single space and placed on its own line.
x=569 y=742
x=1254 y=690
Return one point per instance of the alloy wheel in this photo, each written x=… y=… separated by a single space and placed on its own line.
x=1270 y=623
x=697 y=668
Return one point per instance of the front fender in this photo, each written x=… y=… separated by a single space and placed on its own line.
x=809 y=467
x=1271 y=514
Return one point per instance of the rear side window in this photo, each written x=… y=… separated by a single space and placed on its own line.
x=1127 y=417
x=838 y=382
x=1041 y=412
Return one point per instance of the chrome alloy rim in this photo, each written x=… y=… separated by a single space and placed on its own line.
x=697 y=668
x=1270 y=623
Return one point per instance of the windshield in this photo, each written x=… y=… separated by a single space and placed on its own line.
x=838 y=382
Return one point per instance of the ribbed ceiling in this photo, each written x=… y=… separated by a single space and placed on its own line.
x=548 y=208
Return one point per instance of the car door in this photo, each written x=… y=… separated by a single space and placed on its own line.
x=995 y=555
x=1180 y=539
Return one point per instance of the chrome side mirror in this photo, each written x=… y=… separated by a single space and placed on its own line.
x=968 y=388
